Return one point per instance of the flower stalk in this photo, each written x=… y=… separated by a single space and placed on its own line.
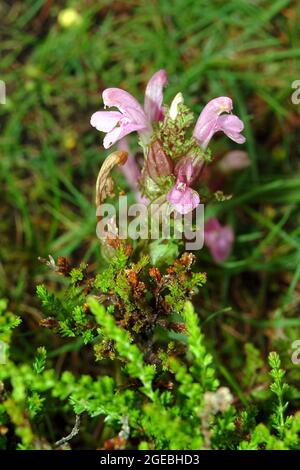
x=175 y=153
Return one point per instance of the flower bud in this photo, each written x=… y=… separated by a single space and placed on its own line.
x=158 y=163
x=173 y=111
x=197 y=167
x=234 y=161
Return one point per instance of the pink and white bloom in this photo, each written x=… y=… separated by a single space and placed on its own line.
x=183 y=198
x=131 y=116
x=212 y=120
x=219 y=239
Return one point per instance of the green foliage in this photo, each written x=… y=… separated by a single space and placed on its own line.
x=35 y=404
x=8 y=321
x=279 y=388
x=201 y=368
x=129 y=352
x=173 y=134
x=180 y=287
x=163 y=251
x=77 y=274
x=135 y=404
x=253 y=365
x=50 y=303
x=40 y=360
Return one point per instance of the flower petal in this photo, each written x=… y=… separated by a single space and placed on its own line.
x=218 y=239
x=105 y=121
x=221 y=249
x=231 y=125
x=205 y=125
x=119 y=132
x=173 y=111
x=184 y=170
x=126 y=103
x=183 y=201
x=154 y=96
x=234 y=160
x=188 y=169
x=212 y=225
x=174 y=195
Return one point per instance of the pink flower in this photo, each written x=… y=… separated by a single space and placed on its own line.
x=131 y=115
x=234 y=161
x=182 y=197
x=218 y=239
x=211 y=120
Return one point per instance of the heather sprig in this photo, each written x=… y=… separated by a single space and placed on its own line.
x=129 y=352
x=141 y=401
x=279 y=388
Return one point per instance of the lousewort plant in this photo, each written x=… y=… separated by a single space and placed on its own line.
x=175 y=152
x=143 y=375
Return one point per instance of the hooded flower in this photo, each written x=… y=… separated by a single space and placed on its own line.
x=218 y=239
x=131 y=116
x=211 y=120
x=182 y=197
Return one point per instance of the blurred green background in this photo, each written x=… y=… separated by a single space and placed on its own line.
x=55 y=65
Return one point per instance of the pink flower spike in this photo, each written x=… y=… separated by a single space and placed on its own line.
x=182 y=197
x=219 y=239
x=154 y=96
x=131 y=116
x=210 y=121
